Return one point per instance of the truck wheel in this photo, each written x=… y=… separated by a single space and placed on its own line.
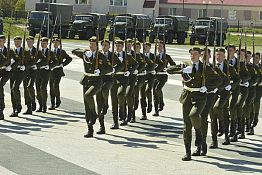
x=82 y=35
x=32 y=33
x=192 y=40
x=71 y=35
x=89 y=34
x=211 y=40
x=170 y=38
x=202 y=41
x=151 y=39
x=102 y=34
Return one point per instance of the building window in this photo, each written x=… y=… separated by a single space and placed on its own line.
x=260 y=15
x=83 y=2
x=118 y=2
x=201 y=13
x=232 y=15
x=172 y=11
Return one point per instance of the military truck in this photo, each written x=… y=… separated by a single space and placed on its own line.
x=130 y=22
x=55 y=11
x=211 y=25
x=172 y=27
x=85 y=26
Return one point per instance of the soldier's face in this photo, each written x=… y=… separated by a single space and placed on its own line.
x=30 y=43
x=18 y=43
x=248 y=58
x=220 y=56
x=195 y=55
x=231 y=52
x=105 y=46
x=147 y=48
x=203 y=56
x=257 y=59
x=92 y=46
x=44 y=44
x=138 y=48
x=129 y=46
x=160 y=47
x=2 y=42
x=56 y=44
x=119 y=47
x=242 y=55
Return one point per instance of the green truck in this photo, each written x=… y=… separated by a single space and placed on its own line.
x=85 y=26
x=171 y=27
x=210 y=26
x=51 y=12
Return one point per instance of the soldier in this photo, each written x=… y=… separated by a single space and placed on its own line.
x=146 y=89
x=251 y=94
x=256 y=107
x=45 y=62
x=108 y=81
x=228 y=75
x=163 y=59
x=4 y=73
x=17 y=75
x=57 y=73
x=30 y=76
x=95 y=64
x=193 y=97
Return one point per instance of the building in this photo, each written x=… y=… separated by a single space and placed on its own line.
x=244 y=12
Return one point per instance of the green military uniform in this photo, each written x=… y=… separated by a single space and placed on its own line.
x=29 y=80
x=161 y=77
x=4 y=76
x=17 y=75
x=250 y=99
x=46 y=61
x=193 y=100
x=92 y=81
x=55 y=76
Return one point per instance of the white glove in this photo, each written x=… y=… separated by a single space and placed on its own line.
x=135 y=72
x=61 y=65
x=127 y=73
x=214 y=91
x=97 y=72
x=203 y=89
x=39 y=60
x=8 y=68
x=45 y=67
x=144 y=72
x=228 y=87
x=12 y=61
x=121 y=59
x=88 y=54
x=34 y=67
x=114 y=70
x=153 y=72
x=246 y=84
x=22 y=68
x=187 y=70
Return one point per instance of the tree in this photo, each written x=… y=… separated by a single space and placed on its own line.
x=7 y=6
x=20 y=5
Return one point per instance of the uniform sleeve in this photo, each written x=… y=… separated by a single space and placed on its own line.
x=213 y=80
x=66 y=59
x=234 y=77
x=243 y=73
x=104 y=64
x=118 y=65
x=132 y=64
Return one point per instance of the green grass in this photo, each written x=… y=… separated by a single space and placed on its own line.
x=248 y=30
x=14 y=21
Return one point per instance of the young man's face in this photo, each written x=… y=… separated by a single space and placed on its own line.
x=56 y=44
x=30 y=43
x=44 y=44
x=220 y=56
x=147 y=48
x=195 y=55
x=231 y=52
x=257 y=59
x=2 y=42
x=248 y=58
x=129 y=46
x=138 y=48
x=105 y=46
x=160 y=47
x=92 y=46
x=18 y=43
x=119 y=47
x=203 y=53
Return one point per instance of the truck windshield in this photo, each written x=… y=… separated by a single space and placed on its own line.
x=122 y=19
x=203 y=23
x=38 y=15
x=164 y=21
x=84 y=18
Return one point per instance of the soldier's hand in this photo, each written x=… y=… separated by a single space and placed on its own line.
x=203 y=89
x=22 y=68
x=97 y=72
x=153 y=72
x=12 y=61
x=127 y=73
x=8 y=68
x=135 y=72
x=34 y=67
x=228 y=87
x=114 y=70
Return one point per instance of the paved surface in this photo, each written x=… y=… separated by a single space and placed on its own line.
x=53 y=143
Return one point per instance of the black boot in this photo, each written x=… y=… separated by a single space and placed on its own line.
x=93 y=117
x=242 y=135
x=203 y=149
x=234 y=138
x=251 y=131
x=144 y=117
x=156 y=113
x=14 y=113
x=124 y=116
x=221 y=128
x=214 y=144
x=44 y=109
x=115 y=124
x=198 y=142
x=18 y=109
x=161 y=105
x=58 y=102
x=187 y=157
x=52 y=107
x=255 y=120
x=149 y=107
x=90 y=132
x=2 y=117
x=130 y=114
x=227 y=140
x=102 y=129
x=197 y=152
x=29 y=110
x=40 y=108
x=33 y=106
x=133 y=119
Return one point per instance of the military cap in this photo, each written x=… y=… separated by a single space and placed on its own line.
x=129 y=40
x=243 y=50
x=2 y=36
x=93 y=39
x=258 y=53
x=105 y=41
x=119 y=42
x=137 y=43
x=161 y=41
x=204 y=49
x=249 y=52
x=30 y=38
x=195 y=49
x=18 y=38
x=230 y=46
x=148 y=44
x=56 y=39
x=44 y=39
x=221 y=50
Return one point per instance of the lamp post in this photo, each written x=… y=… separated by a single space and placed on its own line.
x=206 y=3
x=221 y=25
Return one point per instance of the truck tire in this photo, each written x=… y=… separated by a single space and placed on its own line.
x=89 y=34
x=71 y=35
x=180 y=38
x=102 y=34
x=192 y=40
x=140 y=36
x=211 y=40
x=82 y=35
x=202 y=41
x=151 y=38
x=170 y=38
x=32 y=33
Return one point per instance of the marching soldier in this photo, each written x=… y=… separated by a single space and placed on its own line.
x=193 y=97
x=45 y=62
x=251 y=94
x=57 y=73
x=95 y=64
x=4 y=73
x=108 y=81
x=163 y=59
x=17 y=75
x=30 y=76
x=256 y=107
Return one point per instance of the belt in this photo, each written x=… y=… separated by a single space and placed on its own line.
x=231 y=81
x=161 y=73
x=192 y=89
x=254 y=84
x=59 y=66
